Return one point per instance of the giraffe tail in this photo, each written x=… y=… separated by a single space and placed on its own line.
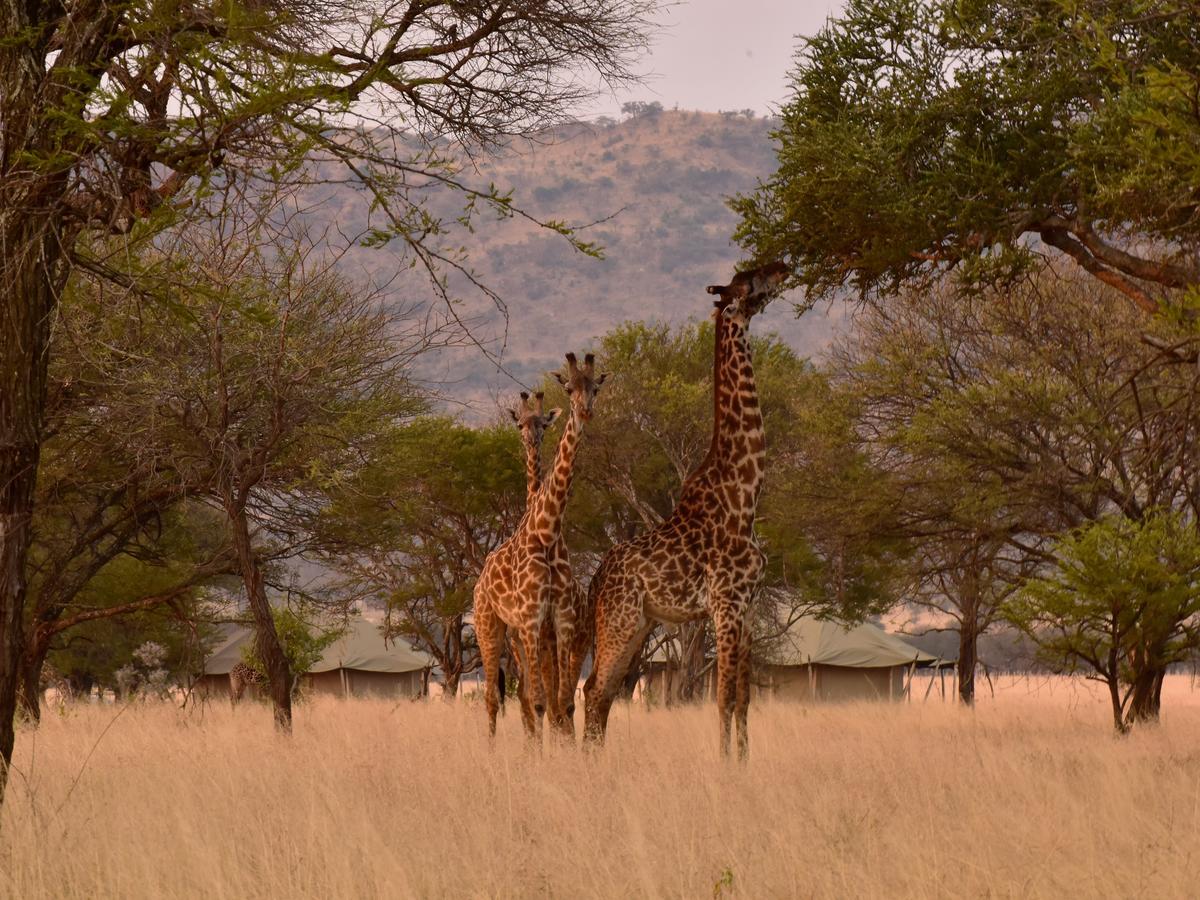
x=503 y=690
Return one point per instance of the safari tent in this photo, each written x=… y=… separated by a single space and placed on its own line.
x=358 y=664
x=817 y=661
x=825 y=661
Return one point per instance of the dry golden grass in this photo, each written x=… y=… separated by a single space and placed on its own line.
x=1029 y=796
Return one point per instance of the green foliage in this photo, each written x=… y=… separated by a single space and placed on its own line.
x=1121 y=600
x=414 y=525
x=92 y=638
x=924 y=135
x=302 y=643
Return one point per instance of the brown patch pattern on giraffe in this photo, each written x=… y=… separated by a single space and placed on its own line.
x=526 y=583
x=704 y=560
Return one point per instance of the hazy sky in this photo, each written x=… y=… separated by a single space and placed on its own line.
x=724 y=54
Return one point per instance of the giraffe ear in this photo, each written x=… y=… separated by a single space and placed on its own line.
x=603 y=378
x=551 y=417
x=559 y=377
x=515 y=417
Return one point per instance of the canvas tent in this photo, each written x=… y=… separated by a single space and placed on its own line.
x=821 y=660
x=358 y=664
x=817 y=660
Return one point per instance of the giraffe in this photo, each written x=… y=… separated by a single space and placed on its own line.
x=242 y=676
x=532 y=422
x=704 y=560
x=521 y=578
x=566 y=633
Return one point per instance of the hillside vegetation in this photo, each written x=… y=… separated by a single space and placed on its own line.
x=655 y=185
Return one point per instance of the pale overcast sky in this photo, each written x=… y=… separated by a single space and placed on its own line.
x=724 y=54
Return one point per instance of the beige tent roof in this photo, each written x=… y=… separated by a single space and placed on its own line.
x=866 y=646
x=361 y=648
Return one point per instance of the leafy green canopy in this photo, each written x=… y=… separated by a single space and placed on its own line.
x=924 y=135
x=1121 y=601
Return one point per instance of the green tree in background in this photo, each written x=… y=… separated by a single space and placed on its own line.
x=262 y=377
x=150 y=587
x=1002 y=419
x=1121 y=603
x=412 y=528
x=930 y=135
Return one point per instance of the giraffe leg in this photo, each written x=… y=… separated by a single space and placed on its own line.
x=565 y=684
x=531 y=667
x=523 y=690
x=548 y=654
x=732 y=641
x=489 y=633
x=562 y=687
x=616 y=641
x=742 y=707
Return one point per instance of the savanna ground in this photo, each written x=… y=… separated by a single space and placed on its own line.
x=1029 y=795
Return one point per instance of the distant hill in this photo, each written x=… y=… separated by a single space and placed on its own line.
x=658 y=181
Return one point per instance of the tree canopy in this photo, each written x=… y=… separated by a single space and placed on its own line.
x=929 y=135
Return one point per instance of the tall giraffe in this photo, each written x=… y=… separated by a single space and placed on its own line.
x=532 y=422
x=704 y=560
x=517 y=587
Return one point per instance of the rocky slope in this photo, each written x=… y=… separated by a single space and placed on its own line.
x=656 y=186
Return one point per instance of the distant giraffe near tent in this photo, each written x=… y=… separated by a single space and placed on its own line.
x=705 y=560
x=242 y=676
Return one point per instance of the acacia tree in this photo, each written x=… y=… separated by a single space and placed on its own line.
x=103 y=505
x=411 y=530
x=263 y=375
x=1122 y=603
x=930 y=135
x=111 y=115
x=1009 y=417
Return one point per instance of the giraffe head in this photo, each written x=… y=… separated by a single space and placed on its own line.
x=581 y=384
x=750 y=291
x=531 y=420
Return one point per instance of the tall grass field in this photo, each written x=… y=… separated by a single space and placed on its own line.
x=1029 y=795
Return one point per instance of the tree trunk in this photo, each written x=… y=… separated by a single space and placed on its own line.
x=270 y=651
x=32 y=661
x=1145 y=697
x=968 y=643
x=452 y=664
x=1112 y=679
x=30 y=273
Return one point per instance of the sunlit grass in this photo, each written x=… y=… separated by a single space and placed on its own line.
x=1030 y=795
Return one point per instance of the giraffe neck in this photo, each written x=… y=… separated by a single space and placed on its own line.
x=551 y=499
x=533 y=471
x=739 y=441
